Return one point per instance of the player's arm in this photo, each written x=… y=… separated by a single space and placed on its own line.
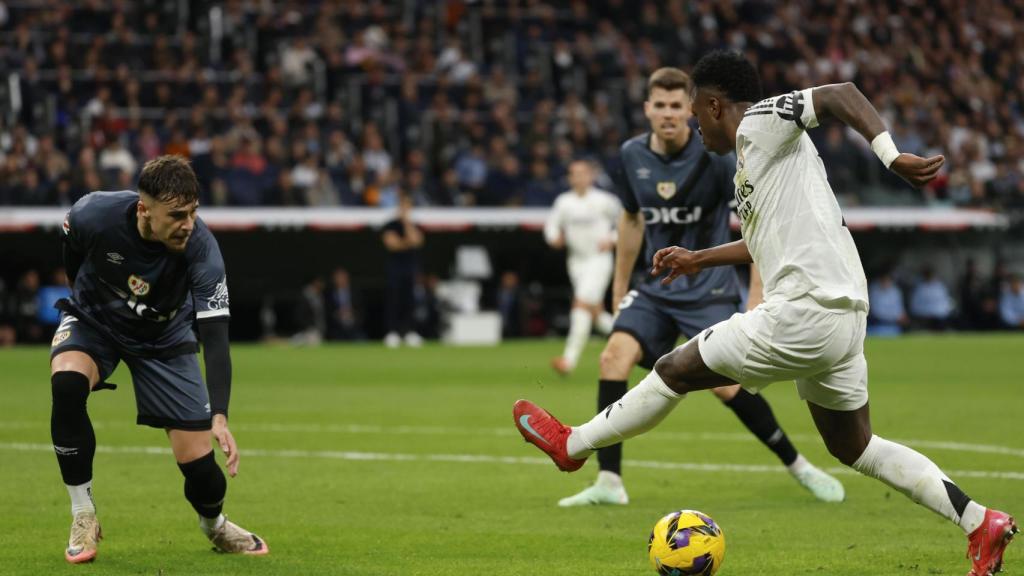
x=72 y=244
x=394 y=242
x=848 y=104
x=209 y=287
x=755 y=292
x=72 y=261
x=553 y=227
x=678 y=260
x=627 y=249
x=413 y=235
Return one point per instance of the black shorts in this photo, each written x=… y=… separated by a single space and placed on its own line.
x=657 y=326
x=169 y=392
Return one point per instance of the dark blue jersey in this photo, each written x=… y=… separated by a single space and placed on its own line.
x=144 y=297
x=685 y=201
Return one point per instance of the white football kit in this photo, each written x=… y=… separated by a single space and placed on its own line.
x=811 y=325
x=585 y=222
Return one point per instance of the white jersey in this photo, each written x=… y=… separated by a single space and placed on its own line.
x=585 y=221
x=789 y=215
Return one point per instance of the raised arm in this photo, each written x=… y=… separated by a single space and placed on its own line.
x=847 y=103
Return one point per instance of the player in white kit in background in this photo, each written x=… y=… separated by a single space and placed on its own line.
x=582 y=221
x=811 y=326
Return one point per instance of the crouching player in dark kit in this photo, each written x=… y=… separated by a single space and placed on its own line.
x=144 y=269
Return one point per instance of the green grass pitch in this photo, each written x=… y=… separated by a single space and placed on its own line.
x=365 y=461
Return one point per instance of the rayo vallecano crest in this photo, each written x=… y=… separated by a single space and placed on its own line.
x=138 y=286
x=666 y=189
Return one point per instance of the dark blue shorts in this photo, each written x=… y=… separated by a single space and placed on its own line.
x=657 y=327
x=169 y=392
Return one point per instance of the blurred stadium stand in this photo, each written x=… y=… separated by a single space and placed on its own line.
x=304 y=121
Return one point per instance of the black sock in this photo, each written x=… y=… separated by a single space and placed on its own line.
x=957 y=498
x=70 y=428
x=757 y=416
x=205 y=485
x=609 y=458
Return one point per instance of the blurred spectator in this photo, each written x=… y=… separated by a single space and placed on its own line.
x=930 y=303
x=342 y=323
x=8 y=316
x=310 y=317
x=48 y=315
x=26 y=301
x=427 y=308
x=978 y=303
x=1011 y=304
x=887 y=317
x=402 y=241
x=510 y=305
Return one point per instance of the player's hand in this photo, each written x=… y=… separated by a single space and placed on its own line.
x=226 y=442
x=677 y=260
x=605 y=246
x=916 y=170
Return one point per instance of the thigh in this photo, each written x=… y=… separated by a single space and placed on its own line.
x=846 y=432
x=651 y=326
x=619 y=355
x=170 y=392
x=79 y=348
x=590 y=278
x=843 y=386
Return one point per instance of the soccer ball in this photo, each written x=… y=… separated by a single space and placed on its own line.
x=686 y=542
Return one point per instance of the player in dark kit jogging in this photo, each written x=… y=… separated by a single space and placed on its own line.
x=675 y=192
x=144 y=270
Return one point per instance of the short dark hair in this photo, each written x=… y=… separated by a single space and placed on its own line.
x=729 y=72
x=669 y=79
x=169 y=179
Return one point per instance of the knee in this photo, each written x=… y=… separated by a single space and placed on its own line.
x=670 y=370
x=846 y=451
x=615 y=363
x=70 y=389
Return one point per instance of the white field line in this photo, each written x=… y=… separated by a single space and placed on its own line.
x=511 y=432
x=482 y=459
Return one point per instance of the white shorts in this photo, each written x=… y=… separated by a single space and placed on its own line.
x=821 y=349
x=590 y=276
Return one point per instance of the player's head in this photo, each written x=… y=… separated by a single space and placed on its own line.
x=723 y=81
x=668 y=103
x=581 y=175
x=168 y=199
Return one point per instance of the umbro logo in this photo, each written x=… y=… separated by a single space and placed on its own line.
x=643 y=173
x=114 y=258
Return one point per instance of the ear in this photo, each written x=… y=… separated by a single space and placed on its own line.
x=141 y=210
x=715 y=105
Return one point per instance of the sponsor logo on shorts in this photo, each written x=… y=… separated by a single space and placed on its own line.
x=60 y=337
x=138 y=286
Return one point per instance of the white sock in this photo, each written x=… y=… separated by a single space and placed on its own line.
x=81 y=498
x=916 y=476
x=608 y=479
x=798 y=465
x=641 y=409
x=604 y=323
x=579 y=332
x=210 y=525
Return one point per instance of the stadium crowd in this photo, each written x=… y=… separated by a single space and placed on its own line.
x=475 y=102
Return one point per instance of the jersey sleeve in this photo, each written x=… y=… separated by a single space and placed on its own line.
x=553 y=224
x=774 y=124
x=208 y=279
x=623 y=189
x=78 y=225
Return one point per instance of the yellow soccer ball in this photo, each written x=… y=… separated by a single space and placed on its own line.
x=686 y=542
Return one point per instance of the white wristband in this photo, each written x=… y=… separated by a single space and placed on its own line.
x=885 y=148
